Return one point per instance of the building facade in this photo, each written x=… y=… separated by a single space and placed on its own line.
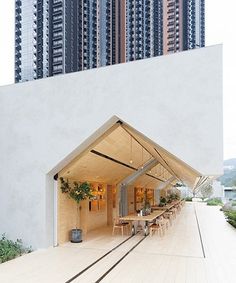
x=72 y=115
x=59 y=36
x=31 y=40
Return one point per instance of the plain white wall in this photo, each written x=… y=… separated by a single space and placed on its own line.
x=174 y=100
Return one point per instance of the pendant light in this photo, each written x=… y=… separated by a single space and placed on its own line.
x=131 y=150
x=142 y=159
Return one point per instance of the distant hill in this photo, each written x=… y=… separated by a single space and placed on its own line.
x=230 y=162
x=229 y=177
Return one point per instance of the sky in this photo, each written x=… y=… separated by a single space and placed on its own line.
x=220 y=28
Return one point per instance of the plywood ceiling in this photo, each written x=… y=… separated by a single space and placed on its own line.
x=173 y=165
x=127 y=146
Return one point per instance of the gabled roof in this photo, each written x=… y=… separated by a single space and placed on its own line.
x=108 y=159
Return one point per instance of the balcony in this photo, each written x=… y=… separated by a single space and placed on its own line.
x=17 y=56
x=18 y=10
x=18 y=47
x=18 y=25
x=17 y=69
x=57 y=37
x=57 y=63
x=57 y=20
x=57 y=12
x=57 y=46
x=57 y=3
x=18 y=40
x=57 y=54
x=18 y=18
x=18 y=32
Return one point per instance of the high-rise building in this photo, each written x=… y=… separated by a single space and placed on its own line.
x=59 y=36
x=193 y=24
x=31 y=40
x=80 y=35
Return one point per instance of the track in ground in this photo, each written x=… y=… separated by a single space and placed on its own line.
x=99 y=269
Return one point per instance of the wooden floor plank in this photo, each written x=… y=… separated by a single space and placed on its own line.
x=175 y=258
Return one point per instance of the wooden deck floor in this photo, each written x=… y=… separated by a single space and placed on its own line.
x=176 y=257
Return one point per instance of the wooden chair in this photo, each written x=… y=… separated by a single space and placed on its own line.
x=155 y=227
x=178 y=207
x=167 y=220
x=158 y=226
x=128 y=225
x=174 y=211
x=169 y=215
x=118 y=225
x=163 y=222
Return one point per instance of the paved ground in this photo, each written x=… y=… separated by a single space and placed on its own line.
x=176 y=257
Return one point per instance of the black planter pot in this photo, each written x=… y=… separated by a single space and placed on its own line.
x=76 y=236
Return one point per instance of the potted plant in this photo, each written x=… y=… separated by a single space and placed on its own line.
x=162 y=202
x=78 y=192
x=169 y=199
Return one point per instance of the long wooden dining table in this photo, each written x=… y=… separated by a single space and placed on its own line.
x=134 y=218
x=167 y=206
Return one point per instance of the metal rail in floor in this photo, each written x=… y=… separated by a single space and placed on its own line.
x=113 y=257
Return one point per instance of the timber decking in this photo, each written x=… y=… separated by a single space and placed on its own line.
x=176 y=257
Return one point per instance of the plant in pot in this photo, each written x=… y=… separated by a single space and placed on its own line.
x=172 y=197
x=146 y=208
x=169 y=199
x=77 y=192
x=162 y=202
x=146 y=205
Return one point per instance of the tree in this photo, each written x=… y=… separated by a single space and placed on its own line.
x=78 y=192
x=206 y=191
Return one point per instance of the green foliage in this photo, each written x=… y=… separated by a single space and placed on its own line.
x=163 y=201
x=10 y=250
x=65 y=187
x=188 y=198
x=214 y=202
x=172 y=197
x=178 y=185
x=78 y=192
x=231 y=217
x=169 y=200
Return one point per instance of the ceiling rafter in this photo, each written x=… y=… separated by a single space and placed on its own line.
x=169 y=169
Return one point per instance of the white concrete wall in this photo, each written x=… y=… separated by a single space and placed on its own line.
x=175 y=100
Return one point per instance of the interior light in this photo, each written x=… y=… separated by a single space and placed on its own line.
x=131 y=150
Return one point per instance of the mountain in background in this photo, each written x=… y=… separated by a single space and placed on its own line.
x=229 y=177
x=230 y=162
